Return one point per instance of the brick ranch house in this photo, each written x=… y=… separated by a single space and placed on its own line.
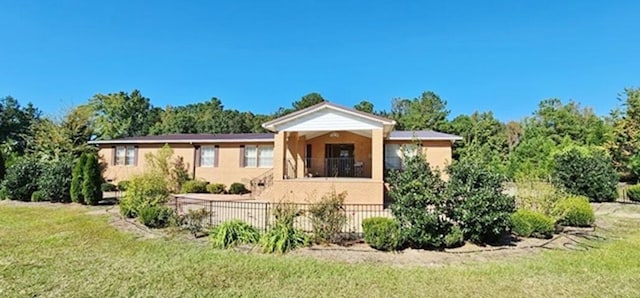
x=309 y=153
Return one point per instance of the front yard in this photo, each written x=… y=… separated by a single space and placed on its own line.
x=64 y=250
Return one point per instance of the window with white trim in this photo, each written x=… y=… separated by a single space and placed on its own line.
x=258 y=156
x=125 y=155
x=207 y=156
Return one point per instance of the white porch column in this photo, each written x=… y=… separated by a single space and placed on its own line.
x=377 y=155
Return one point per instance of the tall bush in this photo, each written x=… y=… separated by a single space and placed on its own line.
x=149 y=189
x=92 y=180
x=328 y=217
x=2 y=167
x=55 y=182
x=482 y=207
x=420 y=204
x=21 y=179
x=77 y=178
x=586 y=172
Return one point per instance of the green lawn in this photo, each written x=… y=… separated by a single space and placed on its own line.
x=61 y=251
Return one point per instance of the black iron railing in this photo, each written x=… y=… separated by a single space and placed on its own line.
x=260 y=214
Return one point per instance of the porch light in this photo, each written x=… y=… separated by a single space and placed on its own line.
x=334 y=135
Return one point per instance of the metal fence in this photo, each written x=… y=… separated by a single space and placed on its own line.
x=260 y=214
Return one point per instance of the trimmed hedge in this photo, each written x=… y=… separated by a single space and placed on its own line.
x=527 y=223
x=237 y=188
x=108 y=187
x=194 y=186
x=383 y=233
x=633 y=192
x=574 y=211
x=55 y=181
x=216 y=188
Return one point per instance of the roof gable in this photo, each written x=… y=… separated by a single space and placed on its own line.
x=328 y=116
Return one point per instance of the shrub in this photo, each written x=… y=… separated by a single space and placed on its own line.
x=382 y=233
x=108 y=187
x=194 y=186
x=21 y=179
x=91 y=180
x=633 y=192
x=282 y=238
x=586 y=172
x=539 y=196
x=144 y=190
x=574 y=211
x=173 y=169
x=38 y=196
x=55 y=182
x=216 y=188
x=232 y=233
x=3 y=193
x=481 y=206
x=123 y=185
x=237 y=188
x=420 y=204
x=527 y=223
x=193 y=220
x=155 y=216
x=2 y=168
x=455 y=237
x=77 y=178
x=328 y=217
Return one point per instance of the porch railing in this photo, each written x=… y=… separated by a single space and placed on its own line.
x=329 y=167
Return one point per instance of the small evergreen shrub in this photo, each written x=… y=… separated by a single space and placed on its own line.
x=586 y=172
x=633 y=192
x=233 y=233
x=382 y=233
x=238 y=188
x=155 y=216
x=21 y=179
x=328 y=217
x=108 y=187
x=420 y=204
x=194 y=186
x=92 y=180
x=574 y=211
x=2 y=168
x=3 y=193
x=216 y=188
x=480 y=204
x=55 y=182
x=123 y=185
x=527 y=223
x=77 y=178
x=38 y=196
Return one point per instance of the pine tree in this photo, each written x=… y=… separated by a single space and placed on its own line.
x=92 y=180
x=77 y=178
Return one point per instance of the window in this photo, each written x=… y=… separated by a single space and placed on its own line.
x=125 y=156
x=258 y=156
x=394 y=155
x=207 y=156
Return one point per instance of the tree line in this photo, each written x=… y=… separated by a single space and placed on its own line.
x=522 y=149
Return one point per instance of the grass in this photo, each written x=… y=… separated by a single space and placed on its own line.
x=62 y=251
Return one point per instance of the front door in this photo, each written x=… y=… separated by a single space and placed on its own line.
x=339 y=160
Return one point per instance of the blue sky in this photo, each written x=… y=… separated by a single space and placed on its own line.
x=503 y=56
